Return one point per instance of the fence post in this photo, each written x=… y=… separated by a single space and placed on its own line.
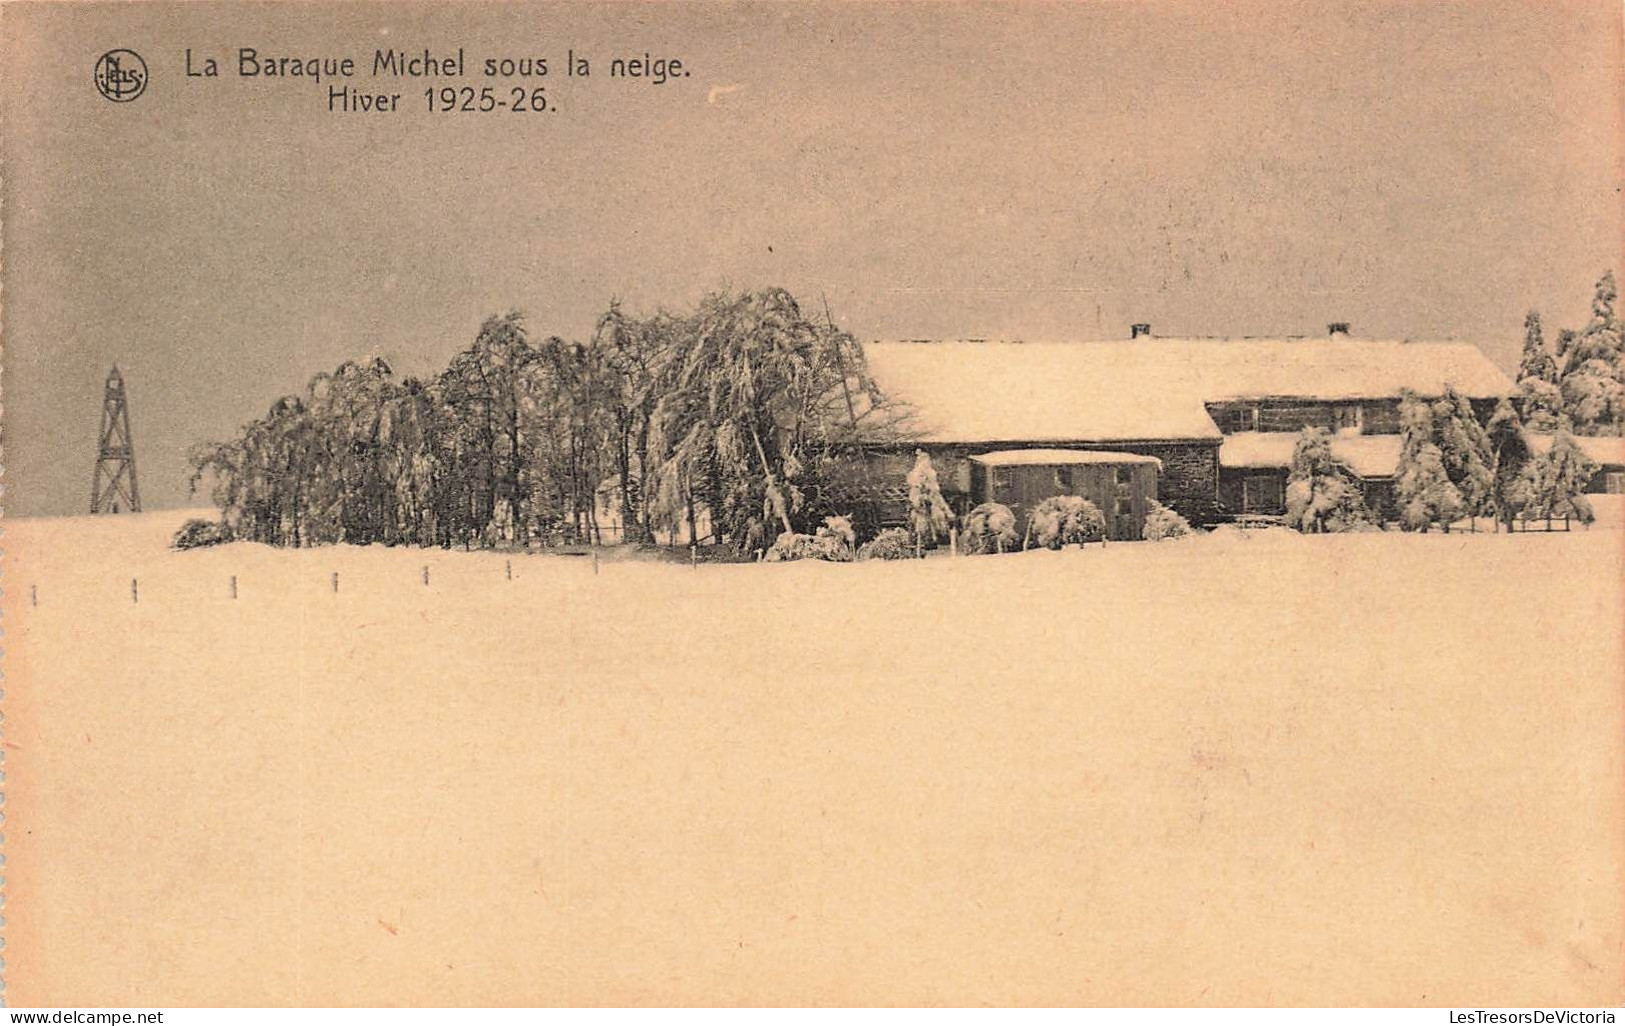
x=953 y=541
x=335 y=582
x=425 y=576
x=509 y=568
x=694 y=556
x=135 y=594
x=233 y=585
x=595 y=562
x=33 y=594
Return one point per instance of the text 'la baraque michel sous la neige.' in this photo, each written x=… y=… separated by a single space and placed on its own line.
x=251 y=62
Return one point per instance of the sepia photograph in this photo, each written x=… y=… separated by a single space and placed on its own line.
x=712 y=505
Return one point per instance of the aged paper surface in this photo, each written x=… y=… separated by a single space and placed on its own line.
x=488 y=672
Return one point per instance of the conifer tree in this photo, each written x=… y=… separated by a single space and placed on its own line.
x=1538 y=391
x=1512 y=463
x=1321 y=496
x=1561 y=477
x=1593 y=384
x=1464 y=449
x=1422 y=489
x=1426 y=496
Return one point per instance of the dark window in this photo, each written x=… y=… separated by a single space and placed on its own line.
x=1063 y=478
x=1001 y=480
x=1244 y=418
x=1125 y=506
x=1124 y=475
x=1263 y=494
x=1348 y=417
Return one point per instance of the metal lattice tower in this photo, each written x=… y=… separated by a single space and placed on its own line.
x=113 y=488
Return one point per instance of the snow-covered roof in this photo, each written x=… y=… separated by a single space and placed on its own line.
x=1058 y=457
x=1608 y=450
x=1366 y=455
x=1150 y=388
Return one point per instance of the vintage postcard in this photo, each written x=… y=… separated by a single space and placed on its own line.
x=813 y=504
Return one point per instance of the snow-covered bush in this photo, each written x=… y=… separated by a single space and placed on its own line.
x=836 y=540
x=197 y=534
x=1321 y=497
x=1066 y=520
x=791 y=546
x=1162 y=522
x=832 y=543
x=990 y=527
x=892 y=543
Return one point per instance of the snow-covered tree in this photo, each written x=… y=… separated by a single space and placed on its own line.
x=1449 y=425
x=1542 y=403
x=1321 y=497
x=1537 y=361
x=1561 y=477
x=1538 y=392
x=1465 y=450
x=1512 y=463
x=1066 y=520
x=928 y=511
x=1422 y=489
x=1424 y=492
x=1593 y=383
x=990 y=527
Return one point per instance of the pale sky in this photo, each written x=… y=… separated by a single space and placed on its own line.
x=1425 y=170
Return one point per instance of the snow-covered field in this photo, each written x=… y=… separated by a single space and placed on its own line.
x=1251 y=767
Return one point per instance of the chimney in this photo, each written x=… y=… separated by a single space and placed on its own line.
x=1337 y=328
x=1136 y=330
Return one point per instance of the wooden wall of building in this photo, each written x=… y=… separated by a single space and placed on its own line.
x=1122 y=492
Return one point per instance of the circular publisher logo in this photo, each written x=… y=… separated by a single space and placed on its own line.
x=121 y=75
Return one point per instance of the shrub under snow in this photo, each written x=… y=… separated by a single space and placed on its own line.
x=1162 y=522
x=892 y=543
x=1067 y=520
x=990 y=527
x=197 y=534
x=833 y=543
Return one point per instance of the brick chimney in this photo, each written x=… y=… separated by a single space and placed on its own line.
x=1137 y=330
x=1337 y=328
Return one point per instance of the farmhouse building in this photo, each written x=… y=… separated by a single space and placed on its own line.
x=1219 y=416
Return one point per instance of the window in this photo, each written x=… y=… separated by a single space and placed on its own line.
x=1125 y=506
x=1348 y=418
x=1244 y=418
x=1613 y=482
x=1124 y=476
x=1001 y=481
x=1063 y=478
x=1263 y=494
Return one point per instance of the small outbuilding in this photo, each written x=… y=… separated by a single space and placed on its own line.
x=1122 y=484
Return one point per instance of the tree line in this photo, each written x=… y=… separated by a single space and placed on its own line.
x=739 y=420
x=1579 y=384
x=1451 y=467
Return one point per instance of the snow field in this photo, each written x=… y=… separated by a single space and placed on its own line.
x=1249 y=767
